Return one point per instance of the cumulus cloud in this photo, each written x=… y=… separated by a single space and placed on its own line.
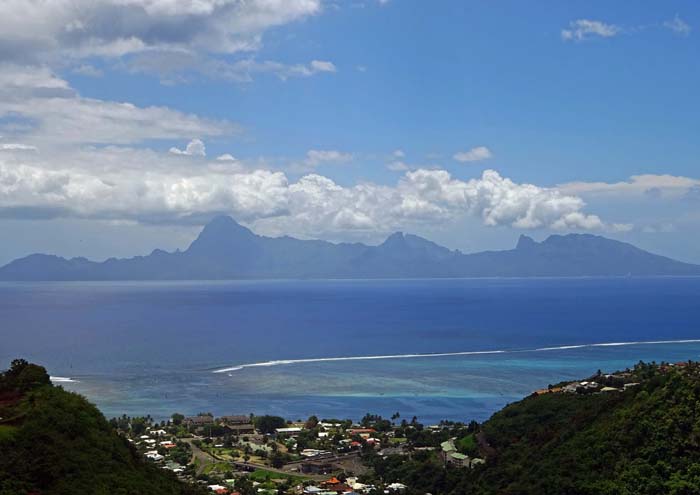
x=83 y=28
x=175 y=39
x=473 y=155
x=147 y=186
x=584 y=29
x=194 y=148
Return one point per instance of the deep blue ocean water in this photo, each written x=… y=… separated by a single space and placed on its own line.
x=152 y=348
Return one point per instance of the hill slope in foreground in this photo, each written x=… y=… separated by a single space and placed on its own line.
x=55 y=442
x=641 y=441
x=225 y=250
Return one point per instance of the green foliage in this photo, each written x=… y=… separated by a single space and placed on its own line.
x=467 y=445
x=643 y=441
x=58 y=443
x=268 y=424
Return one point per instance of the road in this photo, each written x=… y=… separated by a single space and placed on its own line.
x=204 y=458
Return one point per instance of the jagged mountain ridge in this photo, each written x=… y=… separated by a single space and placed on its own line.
x=226 y=250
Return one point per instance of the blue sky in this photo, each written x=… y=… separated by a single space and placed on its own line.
x=346 y=120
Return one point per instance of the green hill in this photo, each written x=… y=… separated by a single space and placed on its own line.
x=55 y=442
x=643 y=440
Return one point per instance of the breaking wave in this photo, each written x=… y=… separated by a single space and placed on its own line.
x=62 y=379
x=281 y=362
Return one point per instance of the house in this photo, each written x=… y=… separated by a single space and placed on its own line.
x=218 y=488
x=317 y=467
x=396 y=487
x=236 y=419
x=459 y=460
x=241 y=429
x=292 y=431
x=154 y=456
x=200 y=420
x=313 y=452
x=361 y=432
x=238 y=424
x=447 y=448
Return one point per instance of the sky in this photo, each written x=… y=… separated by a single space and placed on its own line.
x=125 y=125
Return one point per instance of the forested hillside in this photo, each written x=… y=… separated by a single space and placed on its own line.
x=644 y=440
x=55 y=442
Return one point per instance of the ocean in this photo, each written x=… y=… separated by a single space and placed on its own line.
x=435 y=349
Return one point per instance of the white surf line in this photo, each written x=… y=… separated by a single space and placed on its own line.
x=447 y=354
x=62 y=379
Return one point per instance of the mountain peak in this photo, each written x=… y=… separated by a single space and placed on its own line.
x=221 y=234
x=525 y=242
x=395 y=239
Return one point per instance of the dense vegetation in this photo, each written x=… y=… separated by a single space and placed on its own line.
x=643 y=441
x=55 y=442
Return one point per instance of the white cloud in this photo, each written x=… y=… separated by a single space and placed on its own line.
x=398 y=154
x=174 y=39
x=17 y=147
x=178 y=66
x=397 y=166
x=322 y=66
x=82 y=28
x=583 y=29
x=226 y=157
x=143 y=185
x=194 y=148
x=314 y=158
x=88 y=70
x=678 y=26
x=475 y=154
x=647 y=185
x=53 y=112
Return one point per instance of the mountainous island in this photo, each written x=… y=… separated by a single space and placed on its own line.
x=629 y=432
x=226 y=250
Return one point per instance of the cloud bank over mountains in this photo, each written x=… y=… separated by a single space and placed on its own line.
x=66 y=155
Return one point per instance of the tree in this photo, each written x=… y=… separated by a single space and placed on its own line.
x=268 y=424
x=311 y=423
x=177 y=419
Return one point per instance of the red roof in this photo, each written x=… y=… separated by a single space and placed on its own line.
x=355 y=431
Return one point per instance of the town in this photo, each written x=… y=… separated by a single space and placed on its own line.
x=242 y=454
x=247 y=454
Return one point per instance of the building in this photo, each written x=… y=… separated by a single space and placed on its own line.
x=317 y=467
x=292 y=431
x=238 y=424
x=200 y=420
x=236 y=419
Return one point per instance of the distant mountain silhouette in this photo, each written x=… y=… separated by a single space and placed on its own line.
x=226 y=250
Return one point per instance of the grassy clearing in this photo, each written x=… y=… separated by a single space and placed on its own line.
x=6 y=432
x=262 y=475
